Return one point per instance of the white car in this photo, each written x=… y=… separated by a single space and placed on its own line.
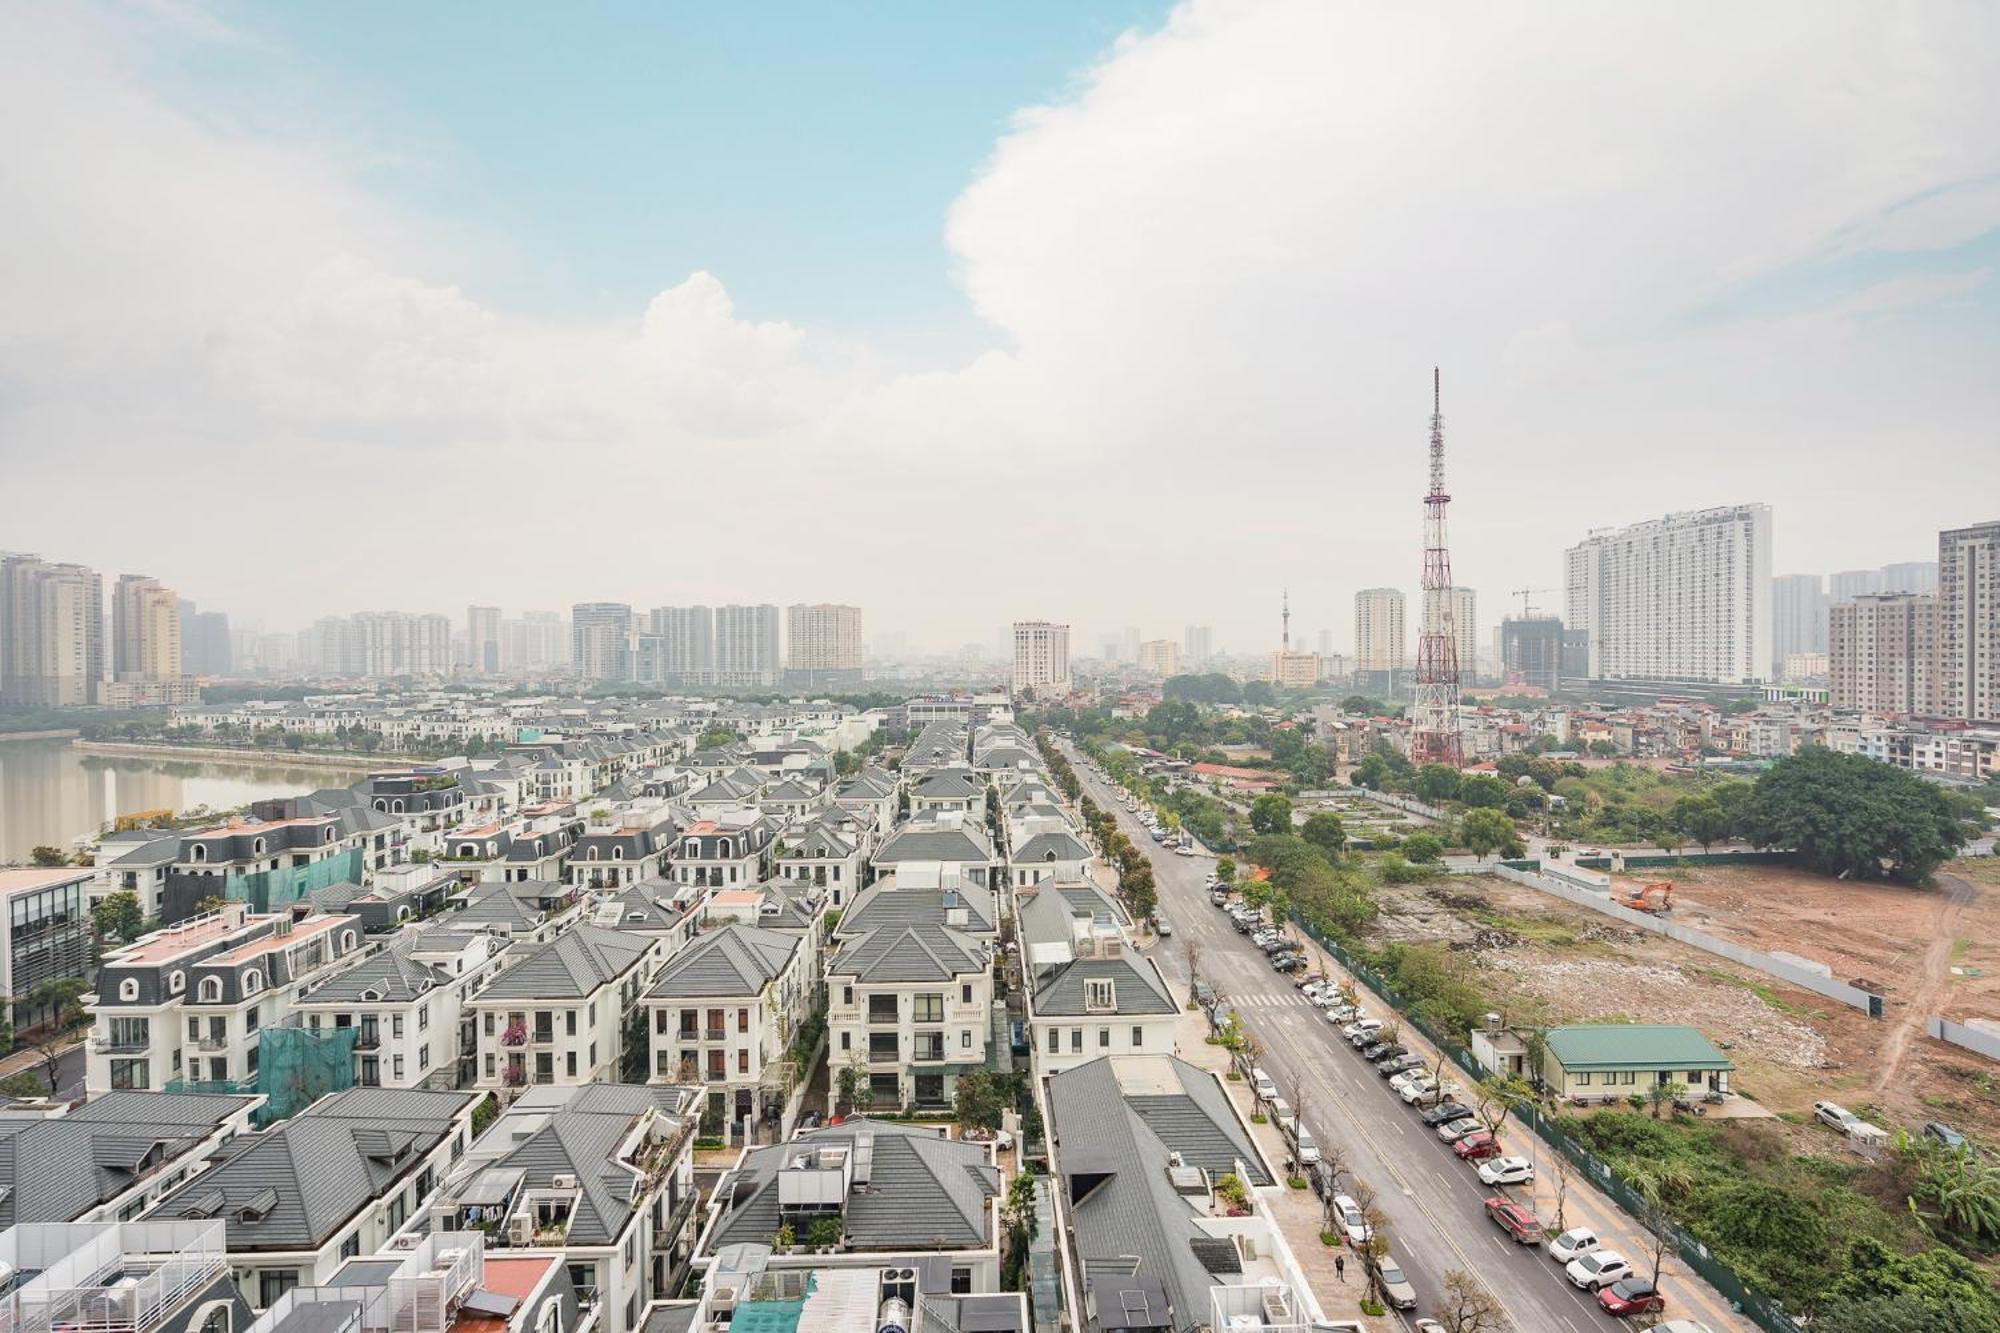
x=1359 y=1026
x=1416 y=1090
x=1599 y=1268
x=1282 y=1115
x=1506 y=1171
x=1395 y=1286
x=1573 y=1244
x=1682 y=1326
x=1353 y=1223
x=1451 y=1131
x=1307 y=1148
x=1428 y=1326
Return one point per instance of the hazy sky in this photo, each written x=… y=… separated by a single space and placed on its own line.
x=1112 y=313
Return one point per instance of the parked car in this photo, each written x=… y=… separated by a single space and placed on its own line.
x=1389 y=1066
x=1445 y=1112
x=1353 y=1222
x=1506 y=1171
x=1516 y=1219
x=1395 y=1286
x=1262 y=1084
x=1306 y=1147
x=1630 y=1296
x=1940 y=1132
x=1835 y=1116
x=1403 y=1078
x=1476 y=1147
x=1451 y=1131
x=1163 y=927
x=1359 y=1026
x=1342 y=1012
x=1282 y=1115
x=1599 y=1268
x=1683 y=1326
x=1289 y=962
x=1573 y=1244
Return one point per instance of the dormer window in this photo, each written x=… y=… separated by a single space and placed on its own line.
x=1100 y=995
x=176 y=982
x=211 y=990
x=257 y=847
x=253 y=981
x=200 y=853
x=128 y=989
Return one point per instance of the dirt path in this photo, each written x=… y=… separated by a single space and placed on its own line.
x=1923 y=1000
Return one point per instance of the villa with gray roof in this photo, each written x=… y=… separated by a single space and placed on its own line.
x=1090 y=994
x=913 y=1005
x=723 y=1012
x=555 y=1012
x=943 y=851
x=406 y=1004
x=334 y=1181
x=111 y=1157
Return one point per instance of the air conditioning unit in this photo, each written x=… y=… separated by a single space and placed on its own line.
x=520 y=1229
x=563 y=1181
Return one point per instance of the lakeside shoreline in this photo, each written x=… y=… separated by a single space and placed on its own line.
x=54 y=734
x=347 y=762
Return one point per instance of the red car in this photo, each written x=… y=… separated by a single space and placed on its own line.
x=1630 y=1296
x=1477 y=1146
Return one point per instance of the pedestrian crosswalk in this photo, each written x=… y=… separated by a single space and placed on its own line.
x=1289 y=1000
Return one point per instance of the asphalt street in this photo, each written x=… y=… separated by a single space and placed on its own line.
x=1433 y=1201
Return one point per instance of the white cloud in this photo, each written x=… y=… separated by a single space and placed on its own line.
x=1219 y=274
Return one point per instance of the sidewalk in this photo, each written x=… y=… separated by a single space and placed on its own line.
x=1582 y=1205
x=1298 y=1212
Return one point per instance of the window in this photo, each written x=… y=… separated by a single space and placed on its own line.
x=965 y=1038
x=1104 y=1039
x=423 y=1057
x=927 y=1009
x=1099 y=994
x=1583 y=1079
x=961 y=1281
x=1055 y=1041
x=742 y=1020
x=569 y=1063
x=396 y=1066
x=395 y=1025
x=253 y=981
x=177 y=983
x=1138 y=1036
x=569 y=1022
x=211 y=993
x=847 y=995
x=351 y=1247
x=424 y=1016
x=275 y=1283
x=965 y=996
x=1076 y=1041
x=743 y=1062
x=128 y=989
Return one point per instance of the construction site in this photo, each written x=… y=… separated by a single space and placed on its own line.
x=1540 y=960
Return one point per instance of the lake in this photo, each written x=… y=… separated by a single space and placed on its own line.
x=51 y=794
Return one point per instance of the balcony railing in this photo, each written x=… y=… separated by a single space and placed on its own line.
x=514 y=1037
x=109 y=1046
x=878 y=1018
x=368 y=1040
x=211 y=1043
x=544 y=1036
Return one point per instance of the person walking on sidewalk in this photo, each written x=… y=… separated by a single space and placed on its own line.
x=1340 y=1267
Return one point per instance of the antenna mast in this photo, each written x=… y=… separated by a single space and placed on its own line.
x=1434 y=737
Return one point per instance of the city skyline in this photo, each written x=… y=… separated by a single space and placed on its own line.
x=374 y=296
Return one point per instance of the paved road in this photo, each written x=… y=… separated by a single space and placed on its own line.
x=1432 y=1200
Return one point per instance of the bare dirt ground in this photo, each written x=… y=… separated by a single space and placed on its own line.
x=1544 y=961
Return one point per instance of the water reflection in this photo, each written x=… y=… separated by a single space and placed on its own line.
x=52 y=794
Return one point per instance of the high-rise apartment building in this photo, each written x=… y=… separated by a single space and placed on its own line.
x=687 y=643
x=1968 y=632
x=51 y=633
x=1041 y=658
x=1686 y=597
x=1798 y=616
x=1197 y=645
x=1882 y=653
x=1162 y=657
x=1381 y=640
x=384 y=644
x=538 y=641
x=823 y=645
x=600 y=640
x=1910 y=576
x=482 y=640
x=1852 y=583
x=208 y=646
x=747 y=646
x=145 y=630
x=1531 y=652
x=1464 y=605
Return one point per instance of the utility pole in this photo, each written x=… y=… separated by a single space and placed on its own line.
x=1434 y=737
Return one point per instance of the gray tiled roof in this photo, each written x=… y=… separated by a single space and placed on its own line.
x=949 y=784
x=391 y=975
x=1138 y=989
x=930 y=842
x=908 y=953
x=56 y=1168
x=1050 y=847
x=573 y=965
x=887 y=905
x=731 y=962
x=317 y=1170
x=925 y=1192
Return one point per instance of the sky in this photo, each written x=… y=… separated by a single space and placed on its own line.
x=1120 y=314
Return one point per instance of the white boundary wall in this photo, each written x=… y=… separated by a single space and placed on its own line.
x=1958 y=1034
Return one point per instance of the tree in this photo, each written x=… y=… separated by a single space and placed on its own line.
x=117 y=916
x=1700 y=817
x=1483 y=791
x=1488 y=831
x=1497 y=1098
x=47 y=856
x=1436 y=783
x=1843 y=814
x=1225 y=869
x=979 y=1101
x=1467 y=1307
x=1324 y=830
x=1665 y=1094
x=852 y=1083
x=1423 y=848
x=1952 y=1187
x=60 y=1002
x=1941 y=1283
x=1271 y=813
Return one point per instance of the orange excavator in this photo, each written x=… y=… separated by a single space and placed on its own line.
x=1656 y=898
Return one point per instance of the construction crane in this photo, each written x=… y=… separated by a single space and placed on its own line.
x=1527 y=606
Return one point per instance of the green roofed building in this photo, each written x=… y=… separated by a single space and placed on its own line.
x=1611 y=1061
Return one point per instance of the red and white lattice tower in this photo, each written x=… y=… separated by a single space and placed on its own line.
x=1434 y=737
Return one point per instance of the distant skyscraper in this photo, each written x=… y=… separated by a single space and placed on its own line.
x=600 y=640
x=145 y=630
x=1910 y=576
x=1465 y=631
x=1531 y=652
x=1326 y=643
x=747 y=646
x=1129 y=645
x=386 y=644
x=1380 y=639
x=1041 y=658
x=538 y=641
x=687 y=649
x=1968 y=637
x=482 y=639
x=1882 y=653
x=1798 y=616
x=1681 y=598
x=1852 y=583
x=51 y=633
x=1197 y=646
x=823 y=645
x=1162 y=657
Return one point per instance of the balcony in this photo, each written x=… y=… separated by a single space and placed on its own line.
x=368 y=1039
x=715 y=1034
x=881 y=1017
x=928 y=1052
x=120 y=1277
x=115 y=1046
x=514 y=1036
x=545 y=1036
x=211 y=1044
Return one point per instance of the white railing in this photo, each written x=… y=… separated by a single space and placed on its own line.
x=122 y=1277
